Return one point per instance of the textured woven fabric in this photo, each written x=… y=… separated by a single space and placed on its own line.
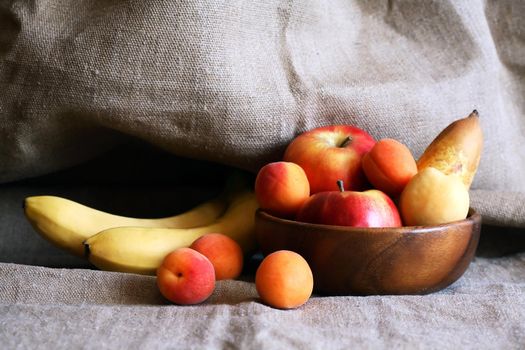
x=233 y=82
x=68 y=308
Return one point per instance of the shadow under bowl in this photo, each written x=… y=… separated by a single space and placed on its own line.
x=375 y=261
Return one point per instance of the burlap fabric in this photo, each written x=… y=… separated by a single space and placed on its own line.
x=123 y=311
x=232 y=82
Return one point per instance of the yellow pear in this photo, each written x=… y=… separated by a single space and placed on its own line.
x=456 y=150
x=432 y=198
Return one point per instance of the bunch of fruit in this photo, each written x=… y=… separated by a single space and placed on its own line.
x=117 y=243
x=339 y=175
x=187 y=275
x=385 y=187
x=187 y=252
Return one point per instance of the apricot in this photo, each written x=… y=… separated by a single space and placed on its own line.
x=186 y=277
x=281 y=188
x=389 y=166
x=224 y=253
x=284 y=280
x=432 y=198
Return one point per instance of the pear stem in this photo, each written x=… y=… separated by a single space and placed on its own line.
x=340 y=185
x=346 y=141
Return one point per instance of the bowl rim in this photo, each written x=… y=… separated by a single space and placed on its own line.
x=472 y=217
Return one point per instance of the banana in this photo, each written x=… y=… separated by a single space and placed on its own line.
x=141 y=250
x=67 y=224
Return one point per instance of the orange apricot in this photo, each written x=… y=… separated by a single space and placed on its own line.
x=224 y=253
x=281 y=188
x=186 y=277
x=389 y=166
x=284 y=280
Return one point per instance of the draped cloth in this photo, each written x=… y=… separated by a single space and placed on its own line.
x=231 y=83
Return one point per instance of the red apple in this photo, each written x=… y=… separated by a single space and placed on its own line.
x=371 y=208
x=329 y=153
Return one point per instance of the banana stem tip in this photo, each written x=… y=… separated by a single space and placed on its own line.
x=87 y=251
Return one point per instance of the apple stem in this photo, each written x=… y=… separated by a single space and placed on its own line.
x=346 y=141
x=340 y=185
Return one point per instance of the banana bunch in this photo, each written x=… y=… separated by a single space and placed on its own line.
x=141 y=250
x=124 y=244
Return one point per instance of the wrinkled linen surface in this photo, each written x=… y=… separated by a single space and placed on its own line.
x=232 y=82
x=70 y=308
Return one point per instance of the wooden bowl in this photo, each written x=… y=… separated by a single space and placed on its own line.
x=366 y=261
